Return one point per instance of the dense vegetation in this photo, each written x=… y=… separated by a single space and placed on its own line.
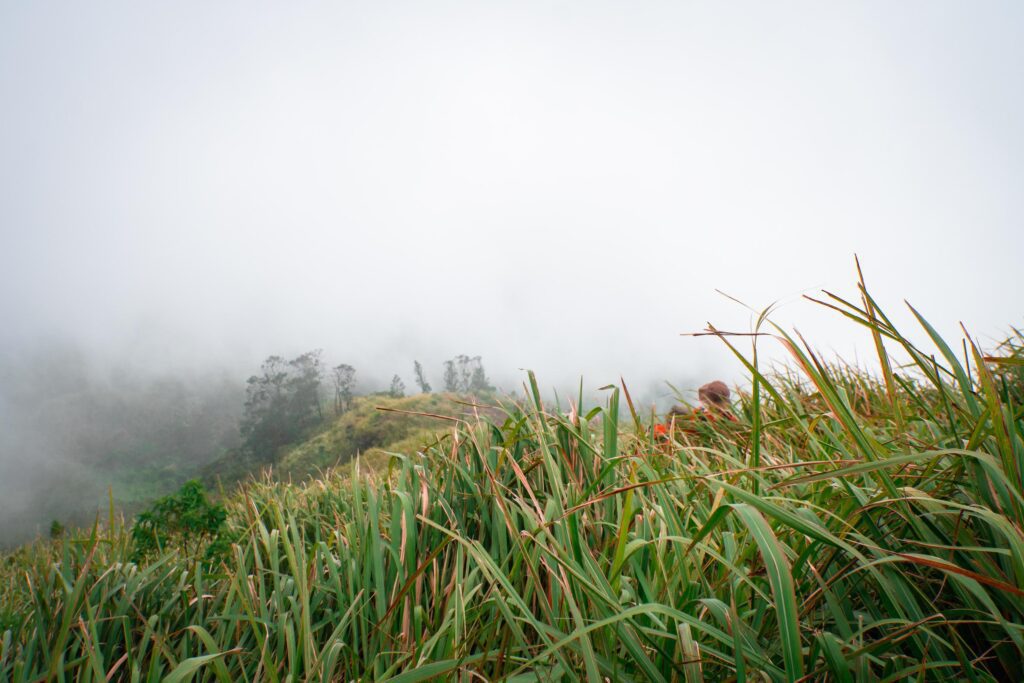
x=844 y=527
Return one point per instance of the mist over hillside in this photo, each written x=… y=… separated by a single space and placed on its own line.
x=74 y=426
x=80 y=424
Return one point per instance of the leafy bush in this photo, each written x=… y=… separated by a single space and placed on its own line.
x=186 y=520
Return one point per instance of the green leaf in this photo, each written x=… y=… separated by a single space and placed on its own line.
x=186 y=669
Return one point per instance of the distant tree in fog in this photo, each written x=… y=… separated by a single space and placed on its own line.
x=304 y=386
x=282 y=403
x=264 y=423
x=466 y=374
x=451 y=377
x=478 y=382
x=344 y=386
x=464 y=364
x=421 y=381
x=397 y=389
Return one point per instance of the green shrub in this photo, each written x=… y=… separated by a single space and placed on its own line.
x=186 y=520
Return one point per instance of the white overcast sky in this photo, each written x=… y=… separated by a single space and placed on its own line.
x=560 y=186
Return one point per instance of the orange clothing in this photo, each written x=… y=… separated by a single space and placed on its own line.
x=661 y=430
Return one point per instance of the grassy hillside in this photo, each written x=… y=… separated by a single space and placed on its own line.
x=846 y=526
x=374 y=425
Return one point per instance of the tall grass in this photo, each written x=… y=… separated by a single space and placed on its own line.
x=848 y=526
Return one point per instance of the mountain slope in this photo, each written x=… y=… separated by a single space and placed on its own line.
x=373 y=425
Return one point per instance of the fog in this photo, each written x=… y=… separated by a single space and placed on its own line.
x=186 y=189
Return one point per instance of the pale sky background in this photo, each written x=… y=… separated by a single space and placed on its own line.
x=556 y=186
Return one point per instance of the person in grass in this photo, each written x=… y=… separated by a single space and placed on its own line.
x=714 y=404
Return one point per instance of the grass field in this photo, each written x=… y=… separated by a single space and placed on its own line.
x=850 y=525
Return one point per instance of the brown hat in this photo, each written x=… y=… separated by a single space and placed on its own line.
x=714 y=393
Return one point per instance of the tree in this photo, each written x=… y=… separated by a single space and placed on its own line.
x=264 y=424
x=281 y=404
x=421 y=381
x=464 y=364
x=478 y=382
x=344 y=385
x=466 y=374
x=304 y=389
x=187 y=520
x=397 y=389
x=451 y=377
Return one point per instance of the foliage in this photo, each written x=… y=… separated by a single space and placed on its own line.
x=397 y=388
x=451 y=377
x=185 y=520
x=344 y=387
x=421 y=380
x=9 y=620
x=846 y=527
x=465 y=374
x=282 y=404
x=306 y=375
